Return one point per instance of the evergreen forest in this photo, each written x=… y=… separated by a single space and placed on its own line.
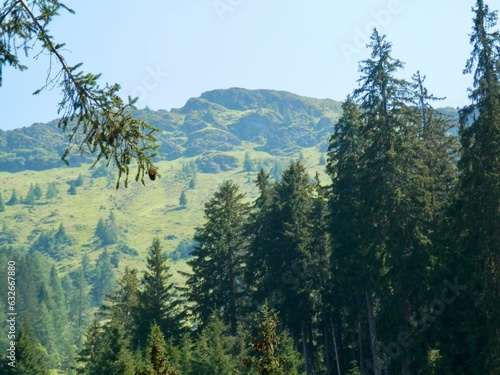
x=387 y=263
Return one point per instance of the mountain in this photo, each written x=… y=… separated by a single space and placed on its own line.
x=208 y=128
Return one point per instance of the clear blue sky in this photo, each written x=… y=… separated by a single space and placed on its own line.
x=166 y=52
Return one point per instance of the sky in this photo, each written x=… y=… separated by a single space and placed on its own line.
x=167 y=51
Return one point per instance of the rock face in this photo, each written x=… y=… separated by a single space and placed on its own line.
x=216 y=162
x=207 y=128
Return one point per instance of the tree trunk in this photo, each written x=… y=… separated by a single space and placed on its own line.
x=327 y=351
x=361 y=352
x=304 y=350
x=335 y=347
x=373 y=335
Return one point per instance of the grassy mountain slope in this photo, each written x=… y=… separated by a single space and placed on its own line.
x=213 y=132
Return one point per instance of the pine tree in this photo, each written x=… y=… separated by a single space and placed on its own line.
x=217 y=264
x=2 y=204
x=157 y=302
x=31 y=357
x=157 y=362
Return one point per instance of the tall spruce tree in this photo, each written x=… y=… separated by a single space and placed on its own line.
x=472 y=344
x=216 y=282
x=122 y=303
x=280 y=253
x=157 y=302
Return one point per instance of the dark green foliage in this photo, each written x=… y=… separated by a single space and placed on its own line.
x=105 y=351
x=183 y=200
x=213 y=351
x=103 y=280
x=157 y=302
x=266 y=360
x=54 y=243
x=122 y=304
x=72 y=189
x=217 y=264
x=2 y=204
x=52 y=191
x=13 y=198
x=472 y=257
x=106 y=231
x=156 y=360
x=30 y=355
x=37 y=191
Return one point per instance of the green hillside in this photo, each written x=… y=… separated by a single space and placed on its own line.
x=212 y=135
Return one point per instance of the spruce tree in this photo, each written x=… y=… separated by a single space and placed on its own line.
x=122 y=303
x=267 y=362
x=183 y=200
x=13 y=198
x=30 y=355
x=472 y=344
x=217 y=265
x=52 y=191
x=2 y=204
x=156 y=360
x=157 y=301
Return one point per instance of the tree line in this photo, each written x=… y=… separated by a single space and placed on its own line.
x=392 y=267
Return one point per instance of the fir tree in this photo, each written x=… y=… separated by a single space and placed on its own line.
x=473 y=258
x=183 y=200
x=13 y=198
x=52 y=191
x=2 y=204
x=217 y=264
x=31 y=357
x=157 y=301
x=157 y=362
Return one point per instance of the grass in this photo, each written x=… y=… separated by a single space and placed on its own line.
x=141 y=212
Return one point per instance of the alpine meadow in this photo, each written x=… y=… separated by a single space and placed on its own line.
x=251 y=231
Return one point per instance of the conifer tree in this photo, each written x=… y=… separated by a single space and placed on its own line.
x=473 y=260
x=122 y=303
x=156 y=361
x=2 y=204
x=212 y=353
x=13 y=198
x=31 y=357
x=52 y=191
x=157 y=301
x=183 y=200
x=267 y=362
x=217 y=265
